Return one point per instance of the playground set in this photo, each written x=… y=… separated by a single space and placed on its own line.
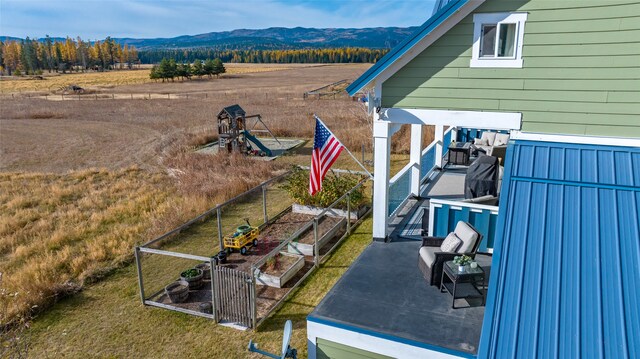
x=235 y=136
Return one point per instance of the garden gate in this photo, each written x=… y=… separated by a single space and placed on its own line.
x=233 y=296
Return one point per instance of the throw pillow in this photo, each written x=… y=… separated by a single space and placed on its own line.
x=480 y=141
x=451 y=243
x=499 y=142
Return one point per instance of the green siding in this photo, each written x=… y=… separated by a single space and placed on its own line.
x=330 y=350
x=581 y=72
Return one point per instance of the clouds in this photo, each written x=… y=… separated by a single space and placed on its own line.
x=94 y=19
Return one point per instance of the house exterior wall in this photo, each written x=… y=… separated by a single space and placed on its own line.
x=580 y=75
x=566 y=266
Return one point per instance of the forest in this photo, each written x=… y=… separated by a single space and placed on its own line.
x=333 y=55
x=32 y=57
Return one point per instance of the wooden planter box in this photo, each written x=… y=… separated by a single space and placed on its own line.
x=307 y=249
x=279 y=281
x=354 y=215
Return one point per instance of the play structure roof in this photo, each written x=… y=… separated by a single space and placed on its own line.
x=233 y=111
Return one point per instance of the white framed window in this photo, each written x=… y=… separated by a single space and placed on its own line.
x=497 y=40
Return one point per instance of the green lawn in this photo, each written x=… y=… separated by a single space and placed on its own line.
x=107 y=320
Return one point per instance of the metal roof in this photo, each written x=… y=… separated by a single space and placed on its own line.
x=566 y=266
x=443 y=10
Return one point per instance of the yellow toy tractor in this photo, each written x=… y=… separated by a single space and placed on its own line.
x=244 y=237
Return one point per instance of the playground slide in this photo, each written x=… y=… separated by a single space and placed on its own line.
x=257 y=142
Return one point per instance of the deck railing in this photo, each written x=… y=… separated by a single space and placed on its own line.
x=400 y=184
x=444 y=215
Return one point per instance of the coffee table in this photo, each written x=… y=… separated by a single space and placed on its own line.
x=462 y=285
x=459 y=153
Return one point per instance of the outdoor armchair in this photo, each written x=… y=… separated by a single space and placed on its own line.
x=431 y=258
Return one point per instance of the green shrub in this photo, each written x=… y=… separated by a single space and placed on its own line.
x=333 y=187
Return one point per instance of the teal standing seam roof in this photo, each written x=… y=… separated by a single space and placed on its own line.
x=443 y=10
x=566 y=267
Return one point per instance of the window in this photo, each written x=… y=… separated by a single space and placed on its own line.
x=497 y=40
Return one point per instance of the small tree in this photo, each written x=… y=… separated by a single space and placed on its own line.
x=154 y=75
x=166 y=69
x=209 y=68
x=218 y=67
x=198 y=68
x=184 y=70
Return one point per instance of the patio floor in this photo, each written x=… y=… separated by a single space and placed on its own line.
x=384 y=291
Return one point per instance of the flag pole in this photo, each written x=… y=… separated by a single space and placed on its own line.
x=345 y=147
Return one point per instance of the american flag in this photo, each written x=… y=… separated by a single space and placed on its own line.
x=326 y=149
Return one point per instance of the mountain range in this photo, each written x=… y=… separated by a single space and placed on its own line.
x=275 y=38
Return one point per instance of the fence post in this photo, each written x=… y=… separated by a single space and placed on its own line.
x=139 y=267
x=214 y=295
x=253 y=298
x=316 y=248
x=349 y=212
x=219 y=215
x=264 y=204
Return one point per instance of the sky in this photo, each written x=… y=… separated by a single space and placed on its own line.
x=96 y=19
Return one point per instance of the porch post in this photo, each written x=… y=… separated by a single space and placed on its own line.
x=439 y=136
x=382 y=149
x=415 y=158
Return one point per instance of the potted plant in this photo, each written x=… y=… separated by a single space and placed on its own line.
x=462 y=261
x=177 y=291
x=193 y=277
x=333 y=187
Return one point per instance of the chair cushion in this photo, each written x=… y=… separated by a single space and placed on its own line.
x=451 y=243
x=467 y=235
x=480 y=142
x=489 y=136
x=428 y=255
x=501 y=139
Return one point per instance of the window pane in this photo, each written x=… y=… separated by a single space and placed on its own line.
x=506 y=46
x=488 y=41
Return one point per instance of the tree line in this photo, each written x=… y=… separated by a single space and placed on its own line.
x=32 y=57
x=168 y=69
x=333 y=55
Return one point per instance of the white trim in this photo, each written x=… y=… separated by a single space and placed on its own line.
x=497 y=18
x=439 y=138
x=471 y=119
x=419 y=47
x=366 y=342
x=577 y=139
x=415 y=158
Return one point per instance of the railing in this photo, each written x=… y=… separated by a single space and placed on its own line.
x=400 y=184
x=444 y=215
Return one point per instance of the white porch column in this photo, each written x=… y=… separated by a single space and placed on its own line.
x=439 y=136
x=415 y=158
x=382 y=150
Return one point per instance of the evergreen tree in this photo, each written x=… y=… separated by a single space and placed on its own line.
x=198 y=68
x=209 y=68
x=218 y=67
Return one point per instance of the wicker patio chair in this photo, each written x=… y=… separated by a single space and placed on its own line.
x=431 y=258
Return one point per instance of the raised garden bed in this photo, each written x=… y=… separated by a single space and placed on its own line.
x=333 y=212
x=328 y=228
x=278 y=273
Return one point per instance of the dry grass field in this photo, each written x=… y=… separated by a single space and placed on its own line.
x=81 y=182
x=54 y=81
